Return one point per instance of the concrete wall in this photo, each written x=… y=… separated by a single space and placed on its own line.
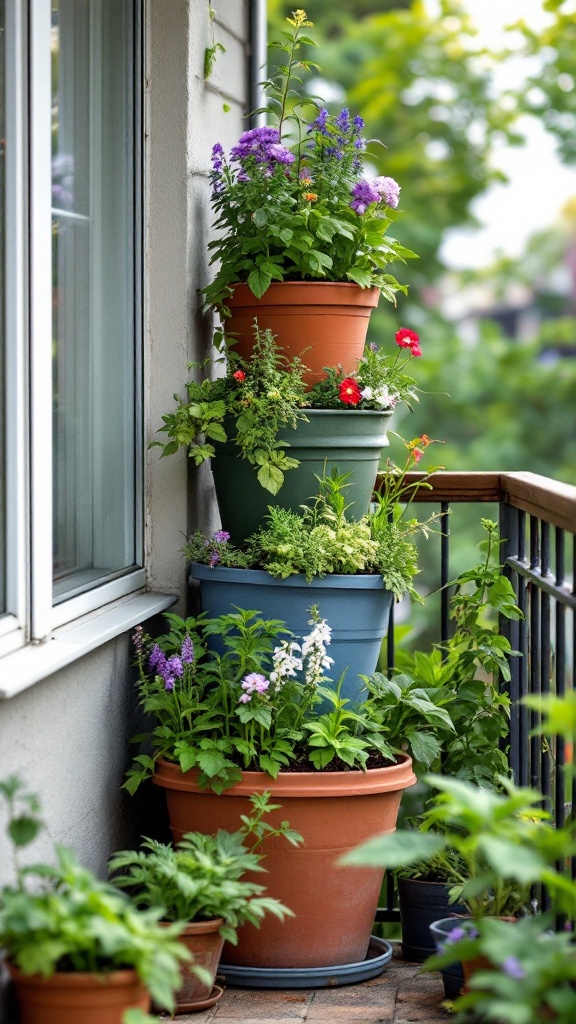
x=67 y=735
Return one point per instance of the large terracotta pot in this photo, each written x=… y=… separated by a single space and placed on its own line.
x=325 y=323
x=78 y=997
x=335 y=906
x=204 y=942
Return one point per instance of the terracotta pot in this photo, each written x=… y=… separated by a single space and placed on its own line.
x=78 y=997
x=325 y=323
x=204 y=942
x=334 y=906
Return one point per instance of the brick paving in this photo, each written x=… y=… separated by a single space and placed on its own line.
x=401 y=995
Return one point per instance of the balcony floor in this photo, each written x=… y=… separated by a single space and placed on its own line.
x=401 y=995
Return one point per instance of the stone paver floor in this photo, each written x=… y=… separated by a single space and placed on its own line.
x=401 y=995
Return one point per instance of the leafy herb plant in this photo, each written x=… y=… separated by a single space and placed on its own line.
x=203 y=877
x=59 y=917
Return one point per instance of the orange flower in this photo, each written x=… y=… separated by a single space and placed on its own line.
x=311 y=197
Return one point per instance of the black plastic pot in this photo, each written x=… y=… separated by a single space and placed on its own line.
x=422 y=903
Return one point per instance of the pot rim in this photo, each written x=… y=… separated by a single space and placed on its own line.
x=355 y=782
x=332 y=581
x=77 y=979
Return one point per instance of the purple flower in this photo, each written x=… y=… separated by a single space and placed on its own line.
x=157 y=658
x=255 y=682
x=358 y=123
x=214 y=559
x=343 y=120
x=187 y=652
x=280 y=154
x=174 y=666
x=364 y=194
x=320 y=122
x=217 y=157
x=388 y=190
x=137 y=639
x=456 y=935
x=512 y=967
x=222 y=536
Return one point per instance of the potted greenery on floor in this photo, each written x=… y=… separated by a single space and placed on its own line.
x=241 y=722
x=202 y=882
x=76 y=948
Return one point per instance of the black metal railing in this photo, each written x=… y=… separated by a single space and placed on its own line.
x=537 y=518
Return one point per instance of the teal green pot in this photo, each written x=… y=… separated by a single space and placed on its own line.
x=348 y=440
x=356 y=607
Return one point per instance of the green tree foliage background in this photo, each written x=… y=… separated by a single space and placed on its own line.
x=424 y=87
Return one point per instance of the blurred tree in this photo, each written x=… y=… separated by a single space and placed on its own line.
x=550 y=93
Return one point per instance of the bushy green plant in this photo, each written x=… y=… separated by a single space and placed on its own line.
x=260 y=705
x=320 y=539
x=291 y=201
x=264 y=396
x=59 y=917
x=466 y=670
x=203 y=876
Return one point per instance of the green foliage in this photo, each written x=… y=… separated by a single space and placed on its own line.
x=504 y=841
x=291 y=213
x=202 y=878
x=251 y=406
x=256 y=706
x=59 y=917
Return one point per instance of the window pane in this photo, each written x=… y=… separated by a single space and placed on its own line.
x=94 y=228
x=2 y=319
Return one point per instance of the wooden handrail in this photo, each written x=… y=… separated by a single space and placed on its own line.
x=540 y=496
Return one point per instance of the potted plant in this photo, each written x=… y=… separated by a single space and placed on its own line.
x=505 y=843
x=302 y=240
x=244 y=422
x=351 y=569
x=464 y=672
x=202 y=882
x=77 y=950
x=241 y=722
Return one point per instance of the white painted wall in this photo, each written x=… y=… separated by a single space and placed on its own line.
x=67 y=735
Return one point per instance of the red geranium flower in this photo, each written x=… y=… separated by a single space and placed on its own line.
x=408 y=339
x=349 y=391
x=239 y=375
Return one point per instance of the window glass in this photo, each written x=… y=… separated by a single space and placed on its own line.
x=94 y=274
x=2 y=317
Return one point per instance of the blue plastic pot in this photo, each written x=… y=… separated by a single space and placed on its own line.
x=357 y=608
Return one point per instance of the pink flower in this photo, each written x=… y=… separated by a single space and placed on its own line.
x=350 y=393
x=239 y=375
x=408 y=339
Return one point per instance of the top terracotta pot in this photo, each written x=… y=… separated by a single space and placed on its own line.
x=325 y=323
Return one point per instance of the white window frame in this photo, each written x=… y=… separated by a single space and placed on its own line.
x=32 y=617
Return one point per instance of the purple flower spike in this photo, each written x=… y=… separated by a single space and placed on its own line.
x=174 y=666
x=513 y=968
x=137 y=639
x=187 y=652
x=157 y=658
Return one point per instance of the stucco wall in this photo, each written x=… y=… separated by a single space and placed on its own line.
x=67 y=736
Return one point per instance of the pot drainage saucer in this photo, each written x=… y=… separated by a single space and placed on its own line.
x=379 y=956
x=202 y=1004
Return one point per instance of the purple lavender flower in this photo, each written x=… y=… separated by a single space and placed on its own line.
x=222 y=536
x=320 y=122
x=217 y=158
x=513 y=968
x=343 y=120
x=364 y=194
x=187 y=652
x=174 y=666
x=157 y=657
x=137 y=639
x=388 y=190
x=358 y=123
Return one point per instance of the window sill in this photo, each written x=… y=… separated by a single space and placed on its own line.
x=32 y=664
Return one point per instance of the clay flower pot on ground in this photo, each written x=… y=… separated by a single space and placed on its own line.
x=203 y=881
x=262 y=717
x=76 y=948
x=334 y=909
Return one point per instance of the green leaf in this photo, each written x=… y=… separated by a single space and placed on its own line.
x=23 y=830
x=258 y=282
x=396 y=850
x=270 y=477
x=260 y=217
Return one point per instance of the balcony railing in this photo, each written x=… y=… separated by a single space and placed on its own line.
x=537 y=517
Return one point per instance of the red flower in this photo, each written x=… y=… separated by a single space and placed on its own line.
x=408 y=339
x=349 y=391
x=239 y=375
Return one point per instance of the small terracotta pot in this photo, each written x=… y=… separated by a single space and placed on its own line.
x=334 y=906
x=204 y=942
x=78 y=997
x=325 y=323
